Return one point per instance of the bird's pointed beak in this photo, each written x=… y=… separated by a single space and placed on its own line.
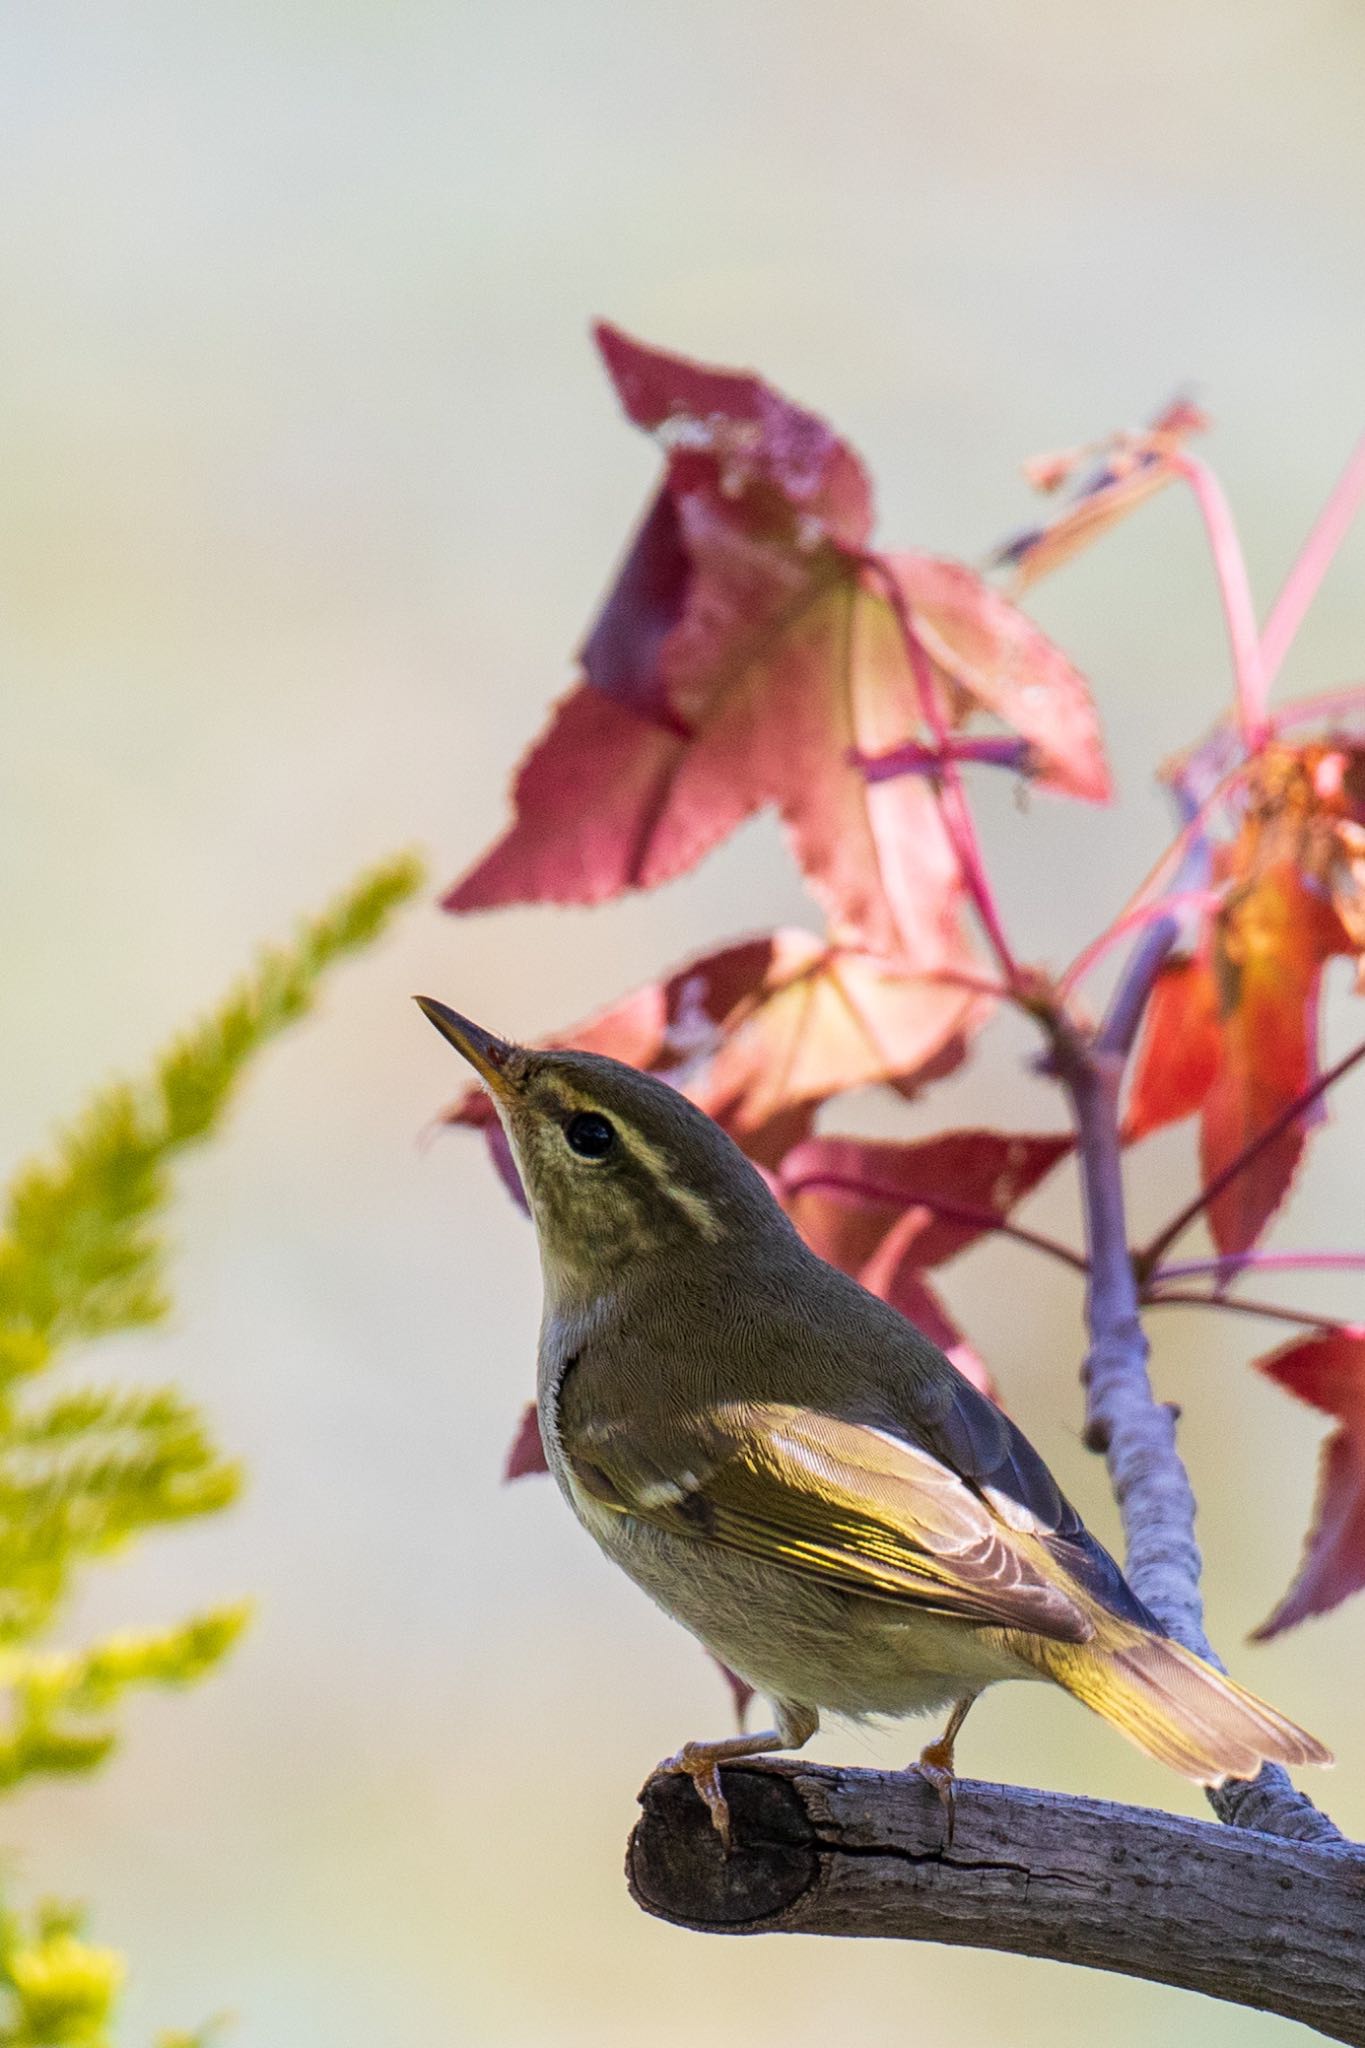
x=487 y=1055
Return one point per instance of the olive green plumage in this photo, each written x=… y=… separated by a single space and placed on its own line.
x=792 y=1470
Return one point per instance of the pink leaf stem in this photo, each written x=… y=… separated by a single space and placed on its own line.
x=1259 y=1262
x=1235 y=590
x=1189 y=1297
x=952 y=799
x=1330 y=704
x=1134 y=920
x=1314 y=559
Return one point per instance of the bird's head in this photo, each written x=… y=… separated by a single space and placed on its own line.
x=617 y=1166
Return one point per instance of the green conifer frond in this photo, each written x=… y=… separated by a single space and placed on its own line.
x=78 y=1255
x=86 y=1471
x=82 y=1475
x=53 y=1697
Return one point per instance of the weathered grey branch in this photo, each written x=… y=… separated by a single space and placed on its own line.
x=1249 y=1918
x=1129 y=1002
x=1137 y=1433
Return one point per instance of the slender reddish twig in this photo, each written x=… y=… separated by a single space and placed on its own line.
x=1311 y=565
x=952 y=797
x=1148 y=1258
x=966 y=1213
x=1235 y=590
x=962 y=977
x=1133 y=989
x=1259 y=1262
x=1181 y=1297
x=1175 y=863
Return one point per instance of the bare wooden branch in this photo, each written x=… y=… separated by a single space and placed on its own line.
x=1245 y=1917
x=1136 y=1432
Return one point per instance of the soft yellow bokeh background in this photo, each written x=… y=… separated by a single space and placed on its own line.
x=310 y=485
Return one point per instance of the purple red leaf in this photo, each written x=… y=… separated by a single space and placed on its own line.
x=527 y=1453
x=1329 y=1373
x=749 y=657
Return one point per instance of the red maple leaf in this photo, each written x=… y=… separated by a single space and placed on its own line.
x=1336 y=770
x=1329 y=1373
x=886 y=1211
x=1181 y=1048
x=749 y=656
x=527 y=1452
x=1268 y=951
x=761 y=1032
x=1130 y=468
x=989 y=657
x=938 y=1194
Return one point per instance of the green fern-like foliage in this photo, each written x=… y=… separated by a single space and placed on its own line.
x=83 y=1473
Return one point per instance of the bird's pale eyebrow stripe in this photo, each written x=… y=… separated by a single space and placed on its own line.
x=660 y=1169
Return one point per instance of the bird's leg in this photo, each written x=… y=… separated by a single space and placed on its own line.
x=701 y=1761
x=935 y=1763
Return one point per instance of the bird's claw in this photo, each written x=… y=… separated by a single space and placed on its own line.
x=935 y=1766
x=697 y=1761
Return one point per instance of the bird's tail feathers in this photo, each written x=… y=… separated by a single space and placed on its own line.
x=1179 y=1709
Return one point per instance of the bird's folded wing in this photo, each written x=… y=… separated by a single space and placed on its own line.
x=854 y=1507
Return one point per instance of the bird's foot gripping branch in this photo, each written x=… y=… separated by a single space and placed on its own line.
x=758 y=651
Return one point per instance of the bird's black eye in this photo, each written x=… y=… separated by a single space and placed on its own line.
x=589 y=1135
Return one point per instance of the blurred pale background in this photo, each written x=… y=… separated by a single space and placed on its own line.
x=311 y=483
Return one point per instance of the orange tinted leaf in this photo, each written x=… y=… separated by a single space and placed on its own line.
x=1289 y=877
x=996 y=660
x=761 y=1032
x=1181 y=1045
x=527 y=1454
x=1132 y=467
x=827 y=1019
x=1269 y=946
x=1329 y=1373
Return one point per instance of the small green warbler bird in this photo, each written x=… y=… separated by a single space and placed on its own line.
x=791 y=1470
